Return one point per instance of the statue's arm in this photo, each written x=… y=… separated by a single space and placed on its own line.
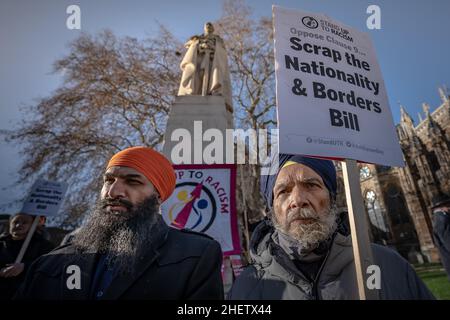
x=219 y=38
x=191 y=40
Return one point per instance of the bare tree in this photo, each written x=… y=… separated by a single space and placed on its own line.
x=250 y=50
x=116 y=93
x=249 y=45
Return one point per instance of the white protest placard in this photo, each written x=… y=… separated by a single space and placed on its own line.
x=45 y=198
x=331 y=97
x=204 y=201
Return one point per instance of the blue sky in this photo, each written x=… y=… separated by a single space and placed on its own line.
x=412 y=46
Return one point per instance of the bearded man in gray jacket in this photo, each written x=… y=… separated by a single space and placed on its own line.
x=303 y=250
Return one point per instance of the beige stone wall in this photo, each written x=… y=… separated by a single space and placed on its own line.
x=427 y=172
x=404 y=194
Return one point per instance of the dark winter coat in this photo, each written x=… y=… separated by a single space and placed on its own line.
x=441 y=234
x=9 y=249
x=180 y=265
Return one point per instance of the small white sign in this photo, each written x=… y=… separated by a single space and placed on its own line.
x=331 y=97
x=45 y=198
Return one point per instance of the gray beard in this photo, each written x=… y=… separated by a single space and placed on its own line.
x=122 y=237
x=310 y=235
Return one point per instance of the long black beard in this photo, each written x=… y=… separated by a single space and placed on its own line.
x=122 y=237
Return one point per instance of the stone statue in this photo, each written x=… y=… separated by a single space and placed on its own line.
x=205 y=67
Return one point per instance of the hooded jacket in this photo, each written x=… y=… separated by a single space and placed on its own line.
x=274 y=275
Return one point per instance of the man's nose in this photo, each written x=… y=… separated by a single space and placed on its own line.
x=298 y=198
x=116 y=190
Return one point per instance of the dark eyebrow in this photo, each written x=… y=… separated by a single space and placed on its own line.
x=123 y=176
x=309 y=180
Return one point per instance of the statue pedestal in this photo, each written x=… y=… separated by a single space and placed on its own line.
x=210 y=110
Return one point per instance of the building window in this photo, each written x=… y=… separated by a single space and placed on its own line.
x=396 y=206
x=434 y=163
x=364 y=173
x=379 y=228
x=337 y=165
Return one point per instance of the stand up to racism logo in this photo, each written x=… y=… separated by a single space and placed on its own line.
x=204 y=201
x=198 y=207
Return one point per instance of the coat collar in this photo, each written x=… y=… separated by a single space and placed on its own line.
x=88 y=261
x=86 y=265
x=121 y=283
x=340 y=255
x=273 y=259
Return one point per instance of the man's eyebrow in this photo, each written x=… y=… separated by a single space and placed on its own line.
x=123 y=176
x=281 y=185
x=307 y=180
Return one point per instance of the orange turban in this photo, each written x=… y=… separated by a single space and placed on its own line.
x=151 y=164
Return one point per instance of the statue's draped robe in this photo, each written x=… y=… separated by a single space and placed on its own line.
x=192 y=77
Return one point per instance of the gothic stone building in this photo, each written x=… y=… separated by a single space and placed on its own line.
x=398 y=199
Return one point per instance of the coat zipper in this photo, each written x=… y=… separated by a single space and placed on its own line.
x=315 y=281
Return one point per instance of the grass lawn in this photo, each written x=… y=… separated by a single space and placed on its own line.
x=436 y=279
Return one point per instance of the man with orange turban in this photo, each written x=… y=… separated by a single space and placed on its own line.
x=125 y=250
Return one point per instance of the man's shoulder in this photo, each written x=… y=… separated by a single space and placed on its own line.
x=59 y=252
x=382 y=255
x=190 y=236
x=185 y=244
x=384 y=251
x=399 y=279
x=43 y=243
x=67 y=248
x=50 y=263
x=250 y=273
x=245 y=283
x=389 y=259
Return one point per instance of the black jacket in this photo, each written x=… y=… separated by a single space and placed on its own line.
x=181 y=265
x=9 y=249
x=441 y=234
